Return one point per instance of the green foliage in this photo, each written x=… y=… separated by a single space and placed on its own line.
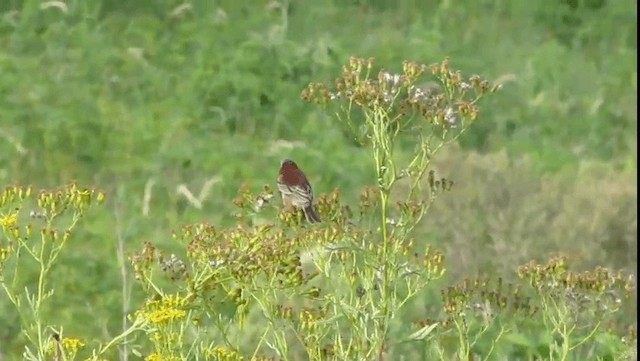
x=509 y=206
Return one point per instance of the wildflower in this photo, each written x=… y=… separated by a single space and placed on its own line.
x=450 y=117
x=261 y=201
x=159 y=357
x=37 y=215
x=69 y=345
x=8 y=221
x=168 y=309
x=175 y=266
x=153 y=357
x=389 y=81
x=165 y=314
x=223 y=353
x=72 y=344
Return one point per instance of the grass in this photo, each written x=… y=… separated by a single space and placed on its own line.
x=117 y=96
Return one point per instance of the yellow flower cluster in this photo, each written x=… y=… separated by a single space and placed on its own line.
x=72 y=344
x=153 y=357
x=69 y=345
x=8 y=221
x=158 y=357
x=164 y=315
x=225 y=354
x=167 y=309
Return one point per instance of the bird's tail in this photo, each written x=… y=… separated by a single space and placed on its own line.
x=311 y=215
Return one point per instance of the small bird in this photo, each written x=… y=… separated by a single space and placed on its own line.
x=295 y=189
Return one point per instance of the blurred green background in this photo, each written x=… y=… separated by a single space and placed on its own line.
x=125 y=95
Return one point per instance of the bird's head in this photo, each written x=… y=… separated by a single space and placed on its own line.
x=288 y=163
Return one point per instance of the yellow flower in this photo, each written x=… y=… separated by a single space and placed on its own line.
x=153 y=357
x=165 y=314
x=168 y=309
x=158 y=357
x=223 y=353
x=69 y=345
x=8 y=221
x=72 y=344
x=174 y=301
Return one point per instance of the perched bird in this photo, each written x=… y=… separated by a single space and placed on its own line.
x=295 y=189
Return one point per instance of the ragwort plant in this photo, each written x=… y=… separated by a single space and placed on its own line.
x=579 y=309
x=288 y=290
x=36 y=228
x=395 y=108
x=52 y=216
x=550 y=313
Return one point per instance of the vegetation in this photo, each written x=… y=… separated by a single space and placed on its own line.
x=464 y=218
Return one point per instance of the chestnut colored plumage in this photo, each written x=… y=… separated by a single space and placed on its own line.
x=295 y=189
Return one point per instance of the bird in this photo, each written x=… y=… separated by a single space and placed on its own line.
x=295 y=189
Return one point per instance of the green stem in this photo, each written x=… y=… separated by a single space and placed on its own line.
x=565 y=342
x=37 y=304
x=381 y=147
x=134 y=327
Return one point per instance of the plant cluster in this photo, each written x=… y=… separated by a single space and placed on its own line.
x=338 y=290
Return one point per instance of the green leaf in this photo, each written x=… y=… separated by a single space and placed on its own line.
x=422 y=333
